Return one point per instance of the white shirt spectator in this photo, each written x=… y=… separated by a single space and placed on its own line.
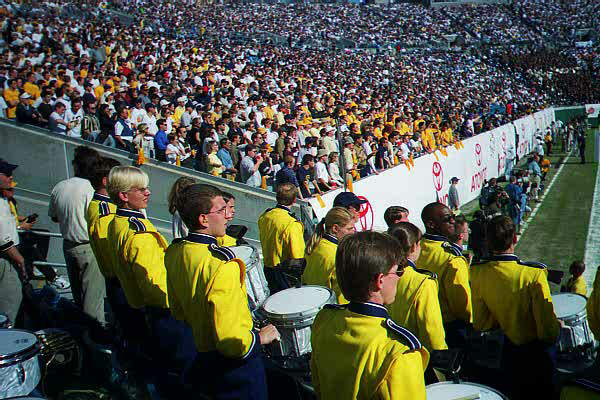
x=321 y=174
x=69 y=202
x=8 y=228
x=75 y=119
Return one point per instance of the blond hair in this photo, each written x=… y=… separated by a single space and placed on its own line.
x=123 y=179
x=339 y=216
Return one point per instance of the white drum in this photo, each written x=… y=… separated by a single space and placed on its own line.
x=293 y=311
x=463 y=390
x=570 y=308
x=256 y=283
x=19 y=366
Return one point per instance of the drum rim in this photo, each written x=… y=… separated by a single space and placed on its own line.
x=6 y=360
x=491 y=389
x=302 y=315
x=578 y=313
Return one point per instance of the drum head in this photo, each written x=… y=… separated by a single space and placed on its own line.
x=14 y=341
x=449 y=391
x=297 y=300
x=567 y=304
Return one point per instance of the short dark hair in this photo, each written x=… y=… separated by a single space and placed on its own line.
x=307 y=158
x=101 y=171
x=286 y=194
x=393 y=213
x=223 y=141
x=84 y=161
x=406 y=234
x=361 y=257
x=250 y=147
x=500 y=233
x=194 y=200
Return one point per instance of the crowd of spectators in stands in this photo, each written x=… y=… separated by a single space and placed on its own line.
x=247 y=111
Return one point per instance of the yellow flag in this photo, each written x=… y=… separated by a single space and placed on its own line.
x=178 y=161
x=263 y=184
x=457 y=145
x=407 y=163
x=436 y=157
x=349 y=184
x=141 y=159
x=320 y=200
x=396 y=161
x=444 y=152
x=412 y=162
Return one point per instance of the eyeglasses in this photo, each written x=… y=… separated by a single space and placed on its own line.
x=447 y=218
x=222 y=211
x=399 y=272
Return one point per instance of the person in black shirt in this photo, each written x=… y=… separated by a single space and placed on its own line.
x=45 y=108
x=304 y=175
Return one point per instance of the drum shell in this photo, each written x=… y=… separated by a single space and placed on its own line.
x=295 y=329
x=577 y=333
x=20 y=371
x=256 y=283
x=451 y=390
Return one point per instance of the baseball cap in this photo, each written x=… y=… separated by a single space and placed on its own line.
x=454 y=179
x=346 y=199
x=7 y=168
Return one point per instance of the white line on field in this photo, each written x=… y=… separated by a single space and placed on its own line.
x=592 y=244
x=524 y=225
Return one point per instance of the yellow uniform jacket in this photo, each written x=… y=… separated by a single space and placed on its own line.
x=417 y=307
x=207 y=289
x=452 y=270
x=281 y=236
x=320 y=266
x=358 y=352
x=515 y=297
x=577 y=285
x=100 y=213
x=227 y=241
x=593 y=307
x=139 y=259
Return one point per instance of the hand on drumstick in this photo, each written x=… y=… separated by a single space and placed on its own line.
x=268 y=334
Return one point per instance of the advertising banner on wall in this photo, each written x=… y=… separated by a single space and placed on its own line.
x=483 y=157
x=592 y=110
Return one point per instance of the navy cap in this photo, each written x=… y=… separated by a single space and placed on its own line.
x=454 y=179
x=7 y=168
x=346 y=199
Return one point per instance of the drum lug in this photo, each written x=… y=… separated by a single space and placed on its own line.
x=21 y=374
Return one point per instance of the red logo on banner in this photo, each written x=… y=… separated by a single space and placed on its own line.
x=590 y=110
x=478 y=154
x=438 y=176
x=365 y=215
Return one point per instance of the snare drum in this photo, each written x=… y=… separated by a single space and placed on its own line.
x=293 y=312
x=570 y=308
x=19 y=366
x=463 y=390
x=256 y=283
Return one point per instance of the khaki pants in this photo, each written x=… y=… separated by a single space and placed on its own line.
x=10 y=290
x=87 y=282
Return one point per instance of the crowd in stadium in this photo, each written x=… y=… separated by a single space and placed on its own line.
x=181 y=65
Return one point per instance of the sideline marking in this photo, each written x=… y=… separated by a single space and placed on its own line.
x=592 y=243
x=524 y=225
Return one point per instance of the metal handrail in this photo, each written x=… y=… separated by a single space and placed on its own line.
x=41 y=233
x=49 y=264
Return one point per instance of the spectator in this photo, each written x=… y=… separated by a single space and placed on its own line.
x=576 y=283
x=287 y=174
x=161 y=141
x=394 y=215
x=333 y=168
x=304 y=175
x=322 y=178
x=225 y=157
x=58 y=122
x=453 y=198
x=25 y=113
x=249 y=167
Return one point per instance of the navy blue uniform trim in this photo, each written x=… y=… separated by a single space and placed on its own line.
x=124 y=212
x=201 y=238
x=437 y=238
x=370 y=309
x=430 y=274
x=411 y=264
x=336 y=306
x=450 y=248
x=102 y=197
x=286 y=209
x=331 y=238
x=503 y=257
x=588 y=384
x=103 y=209
x=412 y=340
x=224 y=252
x=254 y=347
x=137 y=224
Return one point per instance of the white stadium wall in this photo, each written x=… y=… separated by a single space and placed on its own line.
x=483 y=157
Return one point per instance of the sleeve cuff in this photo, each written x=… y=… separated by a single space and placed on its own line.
x=254 y=346
x=6 y=246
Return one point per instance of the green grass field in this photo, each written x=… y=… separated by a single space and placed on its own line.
x=557 y=234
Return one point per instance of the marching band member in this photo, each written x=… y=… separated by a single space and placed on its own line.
x=139 y=251
x=321 y=248
x=281 y=236
x=576 y=283
x=227 y=240
x=515 y=297
x=593 y=306
x=207 y=290
x=417 y=306
x=440 y=257
x=358 y=351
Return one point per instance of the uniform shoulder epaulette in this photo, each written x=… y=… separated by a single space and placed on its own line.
x=103 y=209
x=404 y=333
x=335 y=306
x=224 y=253
x=138 y=225
x=451 y=249
x=177 y=240
x=431 y=275
x=533 y=264
x=479 y=262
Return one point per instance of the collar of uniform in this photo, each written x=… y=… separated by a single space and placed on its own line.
x=283 y=207
x=410 y=263
x=437 y=238
x=504 y=257
x=201 y=238
x=370 y=309
x=101 y=197
x=125 y=212
x=331 y=238
x=457 y=247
